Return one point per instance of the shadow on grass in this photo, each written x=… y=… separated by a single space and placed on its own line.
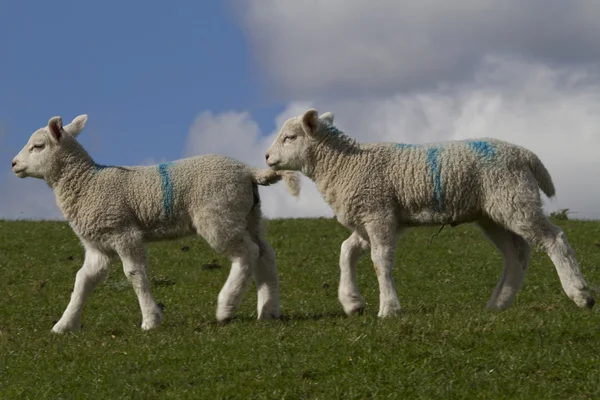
x=312 y=316
x=246 y=319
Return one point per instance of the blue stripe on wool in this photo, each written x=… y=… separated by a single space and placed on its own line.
x=100 y=167
x=403 y=146
x=167 y=188
x=436 y=170
x=483 y=149
x=332 y=130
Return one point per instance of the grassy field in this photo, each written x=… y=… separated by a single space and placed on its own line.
x=443 y=346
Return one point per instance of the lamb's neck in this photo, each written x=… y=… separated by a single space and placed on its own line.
x=328 y=162
x=71 y=183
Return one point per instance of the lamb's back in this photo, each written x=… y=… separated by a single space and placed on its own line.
x=162 y=200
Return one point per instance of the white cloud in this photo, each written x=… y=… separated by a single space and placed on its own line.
x=346 y=47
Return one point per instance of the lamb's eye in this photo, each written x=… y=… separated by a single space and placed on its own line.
x=37 y=147
x=289 y=139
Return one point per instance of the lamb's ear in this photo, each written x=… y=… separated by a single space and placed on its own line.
x=55 y=127
x=327 y=117
x=76 y=126
x=310 y=122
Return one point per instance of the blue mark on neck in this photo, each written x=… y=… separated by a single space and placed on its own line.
x=167 y=188
x=332 y=130
x=100 y=167
x=436 y=171
x=483 y=149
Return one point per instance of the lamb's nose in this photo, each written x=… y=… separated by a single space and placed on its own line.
x=14 y=163
x=267 y=157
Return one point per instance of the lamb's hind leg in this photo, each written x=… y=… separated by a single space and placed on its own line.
x=135 y=268
x=94 y=270
x=554 y=241
x=348 y=293
x=267 y=282
x=516 y=253
x=382 y=237
x=536 y=228
x=243 y=252
x=265 y=273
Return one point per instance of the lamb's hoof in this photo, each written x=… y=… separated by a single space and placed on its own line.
x=352 y=304
x=153 y=321
x=590 y=303
x=225 y=321
x=358 y=310
x=585 y=301
x=224 y=316
x=150 y=325
x=389 y=311
x=61 y=328
x=268 y=316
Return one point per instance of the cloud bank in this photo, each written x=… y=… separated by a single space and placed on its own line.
x=525 y=71
x=554 y=112
x=349 y=47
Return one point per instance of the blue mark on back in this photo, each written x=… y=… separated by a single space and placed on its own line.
x=403 y=146
x=482 y=148
x=436 y=170
x=167 y=188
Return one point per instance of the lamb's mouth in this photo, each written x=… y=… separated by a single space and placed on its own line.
x=19 y=172
x=275 y=165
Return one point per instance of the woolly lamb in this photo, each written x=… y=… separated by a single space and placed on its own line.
x=115 y=210
x=378 y=190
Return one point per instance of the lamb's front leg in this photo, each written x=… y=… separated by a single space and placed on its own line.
x=134 y=266
x=94 y=270
x=383 y=247
x=348 y=293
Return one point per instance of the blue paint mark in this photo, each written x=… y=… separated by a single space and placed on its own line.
x=167 y=188
x=483 y=149
x=436 y=170
x=332 y=130
x=403 y=146
x=100 y=167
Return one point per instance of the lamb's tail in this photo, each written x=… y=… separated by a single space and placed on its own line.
x=541 y=174
x=267 y=176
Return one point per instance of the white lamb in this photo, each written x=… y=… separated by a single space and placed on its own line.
x=377 y=190
x=115 y=210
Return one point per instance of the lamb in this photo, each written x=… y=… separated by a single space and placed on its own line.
x=116 y=210
x=378 y=190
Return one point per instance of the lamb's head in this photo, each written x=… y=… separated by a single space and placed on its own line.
x=46 y=147
x=298 y=136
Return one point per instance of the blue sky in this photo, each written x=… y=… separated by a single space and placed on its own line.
x=161 y=81
x=142 y=71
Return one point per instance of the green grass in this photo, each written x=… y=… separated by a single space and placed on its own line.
x=443 y=346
